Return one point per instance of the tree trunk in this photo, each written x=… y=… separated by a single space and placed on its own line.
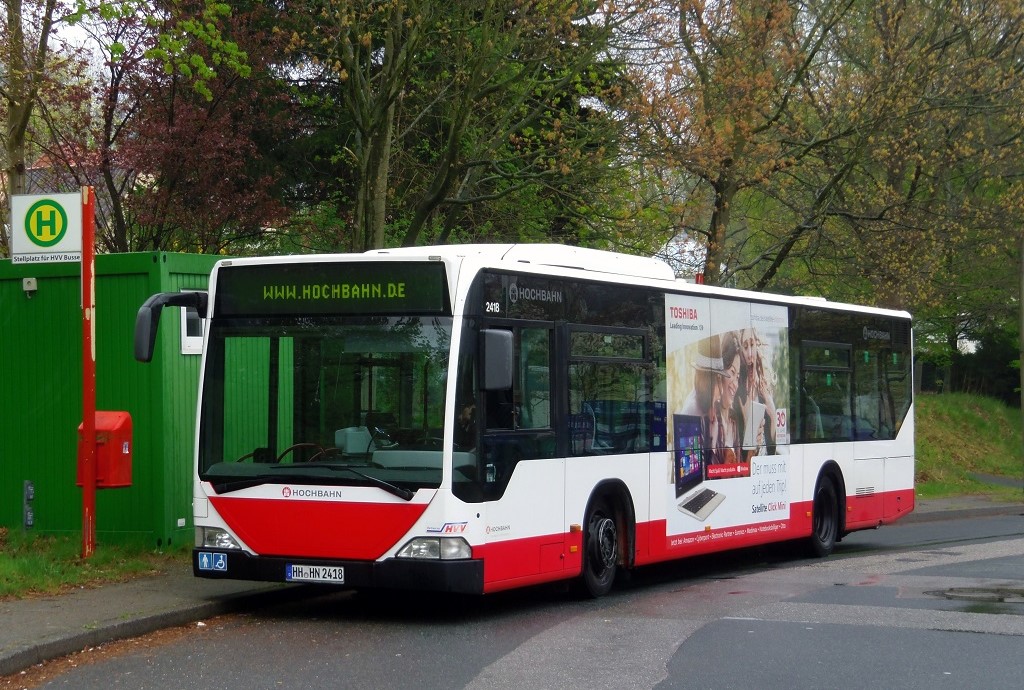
x=725 y=192
x=951 y=343
x=23 y=76
x=374 y=169
x=18 y=102
x=375 y=114
x=381 y=176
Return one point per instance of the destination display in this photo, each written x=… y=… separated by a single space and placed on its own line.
x=332 y=288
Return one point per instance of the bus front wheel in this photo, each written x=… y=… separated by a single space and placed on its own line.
x=601 y=550
x=824 y=519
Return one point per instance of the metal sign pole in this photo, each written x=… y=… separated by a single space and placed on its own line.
x=88 y=460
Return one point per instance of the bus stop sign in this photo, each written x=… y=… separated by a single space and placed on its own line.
x=46 y=228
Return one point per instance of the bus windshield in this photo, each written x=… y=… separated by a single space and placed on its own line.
x=354 y=400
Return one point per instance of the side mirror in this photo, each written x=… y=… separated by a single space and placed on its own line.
x=148 y=318
x=498 y=355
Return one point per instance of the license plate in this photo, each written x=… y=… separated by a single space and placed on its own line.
x=315 y=573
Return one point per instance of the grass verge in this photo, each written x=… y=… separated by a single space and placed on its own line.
x=960 y=437
x=37 y=564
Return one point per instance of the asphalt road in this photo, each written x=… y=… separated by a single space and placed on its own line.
x=920 y=605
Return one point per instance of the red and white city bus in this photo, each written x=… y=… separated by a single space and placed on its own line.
x=481 y=417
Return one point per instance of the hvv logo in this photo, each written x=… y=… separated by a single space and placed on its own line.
x=448 y=528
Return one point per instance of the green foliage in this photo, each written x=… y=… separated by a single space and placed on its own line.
x=442 y=121
x=179 y=35
x=989 y=370
x=959 y=434
x=179 y=38
x=322 y=227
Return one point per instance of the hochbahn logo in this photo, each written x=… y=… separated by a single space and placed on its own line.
x=516 y=293
x=289 y=492
x=876 y=334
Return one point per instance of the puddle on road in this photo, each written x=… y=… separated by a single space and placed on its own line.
x=1002 y=600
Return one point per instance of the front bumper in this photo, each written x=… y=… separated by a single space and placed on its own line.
x=462 y=577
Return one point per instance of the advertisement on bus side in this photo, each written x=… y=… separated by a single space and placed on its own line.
x=727 y=416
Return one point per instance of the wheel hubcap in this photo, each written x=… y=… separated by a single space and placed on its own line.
x=604 y=542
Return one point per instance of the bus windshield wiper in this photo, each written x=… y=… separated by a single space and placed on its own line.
x=226 y=487
x=404 y=494
x=248 y=482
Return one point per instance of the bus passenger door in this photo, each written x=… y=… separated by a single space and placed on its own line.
x=882 y=381
x=827 y=410
x=609 y=404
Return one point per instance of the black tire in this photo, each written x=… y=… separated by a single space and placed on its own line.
x=600 y=550
x=824 y=519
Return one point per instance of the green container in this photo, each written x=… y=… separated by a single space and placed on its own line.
x=41 y=395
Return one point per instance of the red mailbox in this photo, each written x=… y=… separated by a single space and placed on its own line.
x=113 y=450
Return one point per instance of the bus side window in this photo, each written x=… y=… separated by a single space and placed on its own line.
x=533 y=379
x=826 y=391
x=527 y=405
x=872 y=412
x=812 y=418
x=610 y=389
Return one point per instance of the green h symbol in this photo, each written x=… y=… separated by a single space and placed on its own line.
x=46 y=223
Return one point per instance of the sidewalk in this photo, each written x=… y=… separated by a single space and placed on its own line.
x=963 y=506
x=40 y=629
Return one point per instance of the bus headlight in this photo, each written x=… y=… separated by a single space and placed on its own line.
x=438 y=548
x=214 y=538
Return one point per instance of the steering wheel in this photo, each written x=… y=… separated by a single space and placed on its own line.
x=324 y=453
x=296 y=446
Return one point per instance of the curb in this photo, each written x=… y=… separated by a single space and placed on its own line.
x=18 y=660
x=963 y=513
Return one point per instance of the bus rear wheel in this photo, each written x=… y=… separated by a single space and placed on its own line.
x=601 y=550
x=824 y=519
